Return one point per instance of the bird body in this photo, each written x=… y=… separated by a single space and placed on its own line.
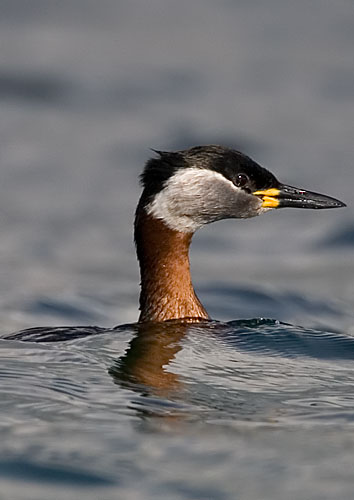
x=182 y=191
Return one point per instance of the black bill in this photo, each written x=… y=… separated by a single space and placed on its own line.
x=289 y=196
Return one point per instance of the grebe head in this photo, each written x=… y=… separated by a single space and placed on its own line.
x=187 y=189
x=182 y=192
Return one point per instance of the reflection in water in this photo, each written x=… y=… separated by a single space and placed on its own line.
x=147 y=360
x=256 y=370
x=244 y=369
x=145 y=369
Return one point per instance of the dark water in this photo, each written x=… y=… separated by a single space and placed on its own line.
x=176 y=411
x=235 y=408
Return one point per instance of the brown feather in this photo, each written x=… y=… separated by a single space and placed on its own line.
x=166 y=287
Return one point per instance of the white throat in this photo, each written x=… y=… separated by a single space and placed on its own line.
x=191 y=198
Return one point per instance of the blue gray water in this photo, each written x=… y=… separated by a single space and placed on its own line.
x=242 y=407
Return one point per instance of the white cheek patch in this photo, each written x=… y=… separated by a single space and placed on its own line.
x=184 y=203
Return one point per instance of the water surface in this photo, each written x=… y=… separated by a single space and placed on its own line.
x=242 y=407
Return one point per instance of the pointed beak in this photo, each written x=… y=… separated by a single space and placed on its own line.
x=289 y=196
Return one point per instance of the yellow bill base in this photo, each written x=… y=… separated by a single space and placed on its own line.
x=269 y=202
x=269 y=197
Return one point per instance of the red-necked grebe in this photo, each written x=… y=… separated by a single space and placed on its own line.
x=184 y=190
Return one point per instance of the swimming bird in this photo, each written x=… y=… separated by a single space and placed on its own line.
x=183 y=191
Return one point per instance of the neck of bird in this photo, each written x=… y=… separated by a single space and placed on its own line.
x=166 y=287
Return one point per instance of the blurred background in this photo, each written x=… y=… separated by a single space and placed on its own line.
x=86 y=88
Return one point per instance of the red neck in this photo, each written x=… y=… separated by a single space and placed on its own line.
x=166 y=287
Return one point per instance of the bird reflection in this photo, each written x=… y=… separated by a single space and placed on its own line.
x=146 y=362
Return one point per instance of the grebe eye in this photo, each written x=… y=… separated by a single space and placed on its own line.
x=241 y=180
